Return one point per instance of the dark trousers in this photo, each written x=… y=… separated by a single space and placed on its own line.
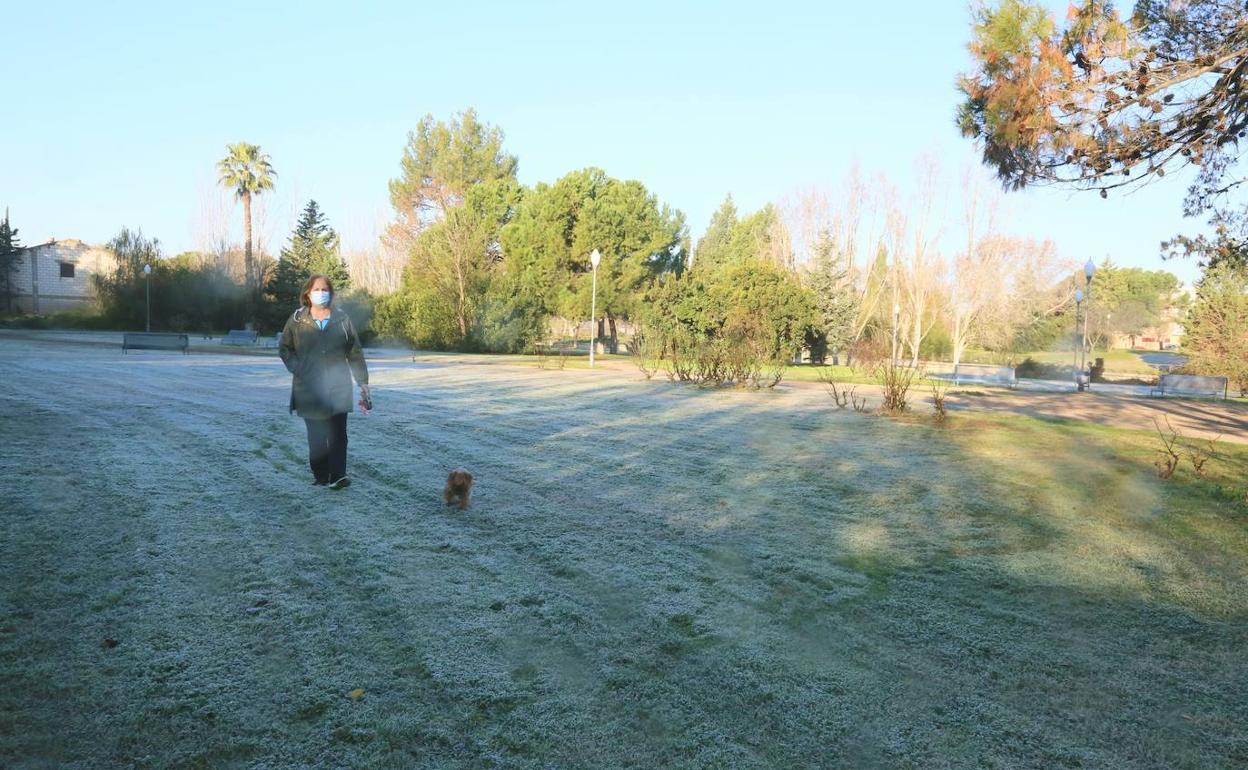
x=327 y=447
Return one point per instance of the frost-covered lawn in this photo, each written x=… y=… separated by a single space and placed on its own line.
x=650 y=576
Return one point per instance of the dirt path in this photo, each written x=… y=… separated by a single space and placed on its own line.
x=1194 y=418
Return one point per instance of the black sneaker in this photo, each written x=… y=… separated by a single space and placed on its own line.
x=342 y=483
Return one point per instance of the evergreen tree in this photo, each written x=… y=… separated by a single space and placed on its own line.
x=836 y=300
x=714 y=243
x=730 y=240
x=441 y=163
x=313 y=248
x=1216 y=331
x=10 y=258
x=547 y=244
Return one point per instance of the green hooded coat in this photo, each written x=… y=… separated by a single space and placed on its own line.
x=323 y=362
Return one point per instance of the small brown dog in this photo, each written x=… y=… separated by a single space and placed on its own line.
x=458 y=487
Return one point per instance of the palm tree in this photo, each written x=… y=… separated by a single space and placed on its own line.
x=249 y=172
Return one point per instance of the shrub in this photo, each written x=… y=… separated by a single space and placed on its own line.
x=939 y=390
x=646 y=350
x=866 y=355
x=896 y=379
x=418 y=316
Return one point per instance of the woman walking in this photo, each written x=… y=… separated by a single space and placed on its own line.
x=322 y=350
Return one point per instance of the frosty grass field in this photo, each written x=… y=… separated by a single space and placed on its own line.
x=650 y=576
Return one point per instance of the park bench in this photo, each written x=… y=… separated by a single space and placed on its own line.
x=239 y=337
x=985 y=373
x=274 y=341
x=154 y=341
x=1189 y=385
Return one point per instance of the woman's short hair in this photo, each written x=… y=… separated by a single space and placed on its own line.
x=304 y=298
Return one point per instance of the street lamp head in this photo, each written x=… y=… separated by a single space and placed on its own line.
x=1089 y=270
x=595 y=258
x=1078 y=295
x=147 y=269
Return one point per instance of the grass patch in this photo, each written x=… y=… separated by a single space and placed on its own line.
x=647 y=577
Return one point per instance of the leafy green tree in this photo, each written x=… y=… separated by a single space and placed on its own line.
x=313 y=248
x=701 y=305
x=456 y=189
x=773 y=296
x=548 y=244
x=249 y=173
x=1128 y=300
x=417 y=314
x=122 y=293
x=731 y=240
x=713 y=246
x=194 y=292
x=441 y=163
x=1216 y=330
x=10 y=259
x=456 y=255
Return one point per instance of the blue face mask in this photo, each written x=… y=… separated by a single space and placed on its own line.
x=319 y=298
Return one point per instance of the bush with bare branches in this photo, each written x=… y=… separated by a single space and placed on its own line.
x=646 y=350
x=1169 y=460
x=1200 y=452
x=939 y=390
x=841 y=395
x=866 y=355
x=897 y=379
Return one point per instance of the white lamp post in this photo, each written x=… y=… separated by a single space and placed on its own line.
x=1074 y=345
x=1089 y=270
x=147 y=277
x=594 y=259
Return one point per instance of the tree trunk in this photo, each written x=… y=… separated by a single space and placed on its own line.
x=462 y=304
x=614 y=346
x=916 y=337
x=958 y=342
x=248 y=266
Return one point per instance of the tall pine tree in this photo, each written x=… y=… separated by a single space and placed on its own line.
x=10 y=258
x=313 y=248
x=835 y=299
x=713 y=246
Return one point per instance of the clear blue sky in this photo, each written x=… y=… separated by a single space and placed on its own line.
x=115 y=116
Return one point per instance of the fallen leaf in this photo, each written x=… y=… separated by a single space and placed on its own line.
x=356 y=694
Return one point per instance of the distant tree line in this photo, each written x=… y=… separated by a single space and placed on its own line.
x=489 y=263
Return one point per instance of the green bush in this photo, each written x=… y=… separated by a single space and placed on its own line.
x=737 y=324
x=81 y=318
x=361 y=307
x=1031 y=369
x=418 y=316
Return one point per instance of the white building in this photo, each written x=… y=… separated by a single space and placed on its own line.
x=56 y=276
